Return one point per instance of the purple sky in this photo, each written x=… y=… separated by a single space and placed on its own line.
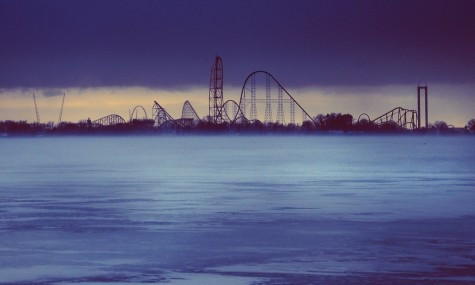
x=172 y=44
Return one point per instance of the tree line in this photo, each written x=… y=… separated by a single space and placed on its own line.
x=333 y=122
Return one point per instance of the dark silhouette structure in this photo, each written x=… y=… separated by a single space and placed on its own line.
x=250 y=101
x=404 y=119
x=242 y=116
x=61 y=110
x=188 y=112
x=161 y=117
x=109 y=120
x=231 y=112
x=399 y=117
x=216 y=91
x=134 y=115
x=163 y=120
x=419 y=90
x=36 y=110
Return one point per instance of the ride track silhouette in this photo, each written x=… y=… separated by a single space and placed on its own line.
x=233 y=117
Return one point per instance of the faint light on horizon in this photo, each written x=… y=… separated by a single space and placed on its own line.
x=447 y=103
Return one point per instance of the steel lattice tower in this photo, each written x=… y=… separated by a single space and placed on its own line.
x=253 y=98
x=292 y=111
x=280 y=106
x=235 y=110
x=216 y=91
x=268 y=113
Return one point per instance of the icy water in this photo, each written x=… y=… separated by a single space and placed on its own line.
x=238 y=210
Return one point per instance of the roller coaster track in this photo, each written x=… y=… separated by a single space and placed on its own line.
x=364 y=115
x=188 y=112
x=135 y=113
x=231 y=112
x=404 y=118
x=240 y=114
x=109 y=120
x=162 y=119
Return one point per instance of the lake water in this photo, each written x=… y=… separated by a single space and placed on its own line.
x=238 y=210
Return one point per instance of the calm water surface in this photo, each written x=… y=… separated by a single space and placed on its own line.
x=237 y=210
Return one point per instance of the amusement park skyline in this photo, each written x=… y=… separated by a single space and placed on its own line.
x=332 y=56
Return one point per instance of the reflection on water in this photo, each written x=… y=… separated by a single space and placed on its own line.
x=237 y=210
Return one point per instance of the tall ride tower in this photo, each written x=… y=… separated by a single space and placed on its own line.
x=216 y=91
x=421 y=89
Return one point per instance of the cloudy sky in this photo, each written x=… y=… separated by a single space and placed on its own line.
x=335 y=56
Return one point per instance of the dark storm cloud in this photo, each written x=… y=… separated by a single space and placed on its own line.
x=171 y=44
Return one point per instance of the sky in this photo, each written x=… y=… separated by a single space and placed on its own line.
x=335 y=56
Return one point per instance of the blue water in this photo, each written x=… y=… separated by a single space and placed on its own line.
x=237 y=210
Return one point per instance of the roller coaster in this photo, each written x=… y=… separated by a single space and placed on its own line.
x=188 y=112
x=134 y=115
x=403 y=118
x=254 y=101
x=109 y=120
x=189 y=117
x=161 y=117
x=257 y=104
x=231 y=112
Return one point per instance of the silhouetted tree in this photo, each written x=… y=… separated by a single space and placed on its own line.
x=471 y=125
x=257 y=125
x=389 y=126
x=307 y=126
x=336 y=121
x=19 y=127
x=441 y=125
x=365 y=125
x=320 y=121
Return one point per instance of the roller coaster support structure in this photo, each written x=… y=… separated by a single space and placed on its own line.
x=216 y=92
x=421 y=89
x=110 y=120
x=404 y=118
x=268 y=111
